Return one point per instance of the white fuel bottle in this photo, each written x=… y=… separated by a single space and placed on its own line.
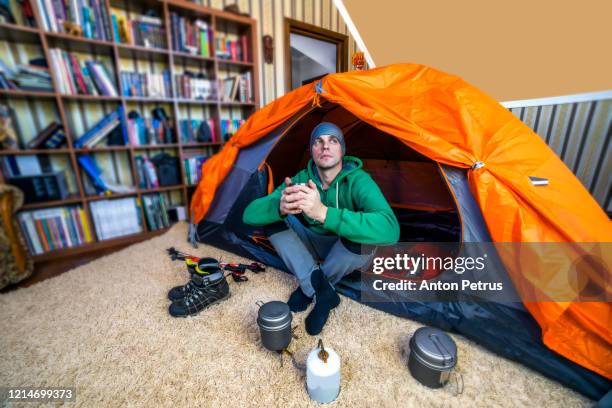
x=323 y=374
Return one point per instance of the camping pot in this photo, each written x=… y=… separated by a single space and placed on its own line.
x=433 y=354
x=323 y=374
x=274 y=321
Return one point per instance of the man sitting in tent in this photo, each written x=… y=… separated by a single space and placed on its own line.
x=322 y=214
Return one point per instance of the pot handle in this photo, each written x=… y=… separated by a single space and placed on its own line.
x=259 y=303
x=458 y=376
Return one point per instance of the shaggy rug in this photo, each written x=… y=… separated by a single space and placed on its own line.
x=104 y=328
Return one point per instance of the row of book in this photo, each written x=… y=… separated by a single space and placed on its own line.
x=195 y=86
x=156 y=211
x=146 y=84
x=148 y=131
x=144 y=30
x=67 y=16
x=197 y=131
x=18 y=13
x=115 y=218
x=233 y=50
x=229 y=127
x=28 y=77
x=147 y=173
x=193 y=37
x=237 y=88
x=74 y=78
x=55 y=228
x=193 y=169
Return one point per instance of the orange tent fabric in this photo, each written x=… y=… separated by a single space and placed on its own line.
x=452 y=122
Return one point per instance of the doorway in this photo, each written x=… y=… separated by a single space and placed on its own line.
x=312 y=52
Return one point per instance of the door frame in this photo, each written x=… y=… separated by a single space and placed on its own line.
x=309 y=30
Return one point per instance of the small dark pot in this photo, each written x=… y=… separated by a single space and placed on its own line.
x=274 y=321
x=433 y=354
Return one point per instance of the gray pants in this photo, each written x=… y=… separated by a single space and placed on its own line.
x=303 y=251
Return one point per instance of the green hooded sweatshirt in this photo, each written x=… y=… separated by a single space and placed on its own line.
x=356 y=208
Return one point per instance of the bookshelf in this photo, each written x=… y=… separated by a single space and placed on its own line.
x=73 y=109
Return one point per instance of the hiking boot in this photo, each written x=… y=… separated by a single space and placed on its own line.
x=204 y=267
x=204 y=291
x=179 y=292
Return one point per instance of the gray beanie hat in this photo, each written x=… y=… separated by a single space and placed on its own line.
x=327 y=128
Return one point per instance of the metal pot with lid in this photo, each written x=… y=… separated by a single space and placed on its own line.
x=433 y=355
x=274 y=321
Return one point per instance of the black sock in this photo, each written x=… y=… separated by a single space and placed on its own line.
x=326 y=299
x=298 y=301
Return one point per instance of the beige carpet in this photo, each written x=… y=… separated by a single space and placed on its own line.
x=104 y=328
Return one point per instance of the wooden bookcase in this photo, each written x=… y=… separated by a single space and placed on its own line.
x=218 y=21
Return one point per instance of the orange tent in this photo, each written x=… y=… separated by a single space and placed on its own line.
x=451 y=122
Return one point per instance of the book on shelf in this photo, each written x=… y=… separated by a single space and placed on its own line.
x=42 y=187
x=25 y=77
x=143 y=30
x=17 y=12
x=27 y=165
x=148 y=131
x=237 y=88
x=190 y=85
x=51 y=137
x=115 y=218
x=147 y=174
x=232 y=49
x=197 y=131
x=105 y=126
x=156 y=211
x=75 y=78
x=193 y=168
x=158 y=171
x=55 y=228
x=88 y=17
x=146 y=84
x=229 y=127
x=101 y=183
x=192 y=37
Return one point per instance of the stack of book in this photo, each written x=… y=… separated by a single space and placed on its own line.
x=51 y=137
x=148 y=131
x=115 y=218
x=42 y=187
x=193 y=37
x=72 y=78
x=146 y=84
x=66 y=16
x=229 y=127
x=147 y=173
x=193 y=169
x=54 y=228
x=105 y=126
x=237 y=88
x=156 y=211
x=195 y=86
x=25 y=77
x=192 y=131
x=146 y=31
x=233 y=50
